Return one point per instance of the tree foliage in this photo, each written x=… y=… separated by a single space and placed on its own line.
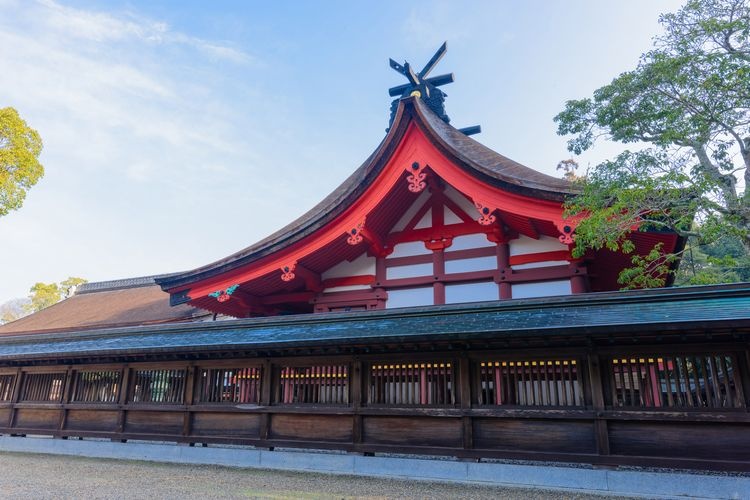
x=12 y=310
x=20 y=146
x=686 y=106
x=43 y=295
x=723 y=261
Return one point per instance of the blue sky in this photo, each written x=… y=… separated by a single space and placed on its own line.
x=176 y=133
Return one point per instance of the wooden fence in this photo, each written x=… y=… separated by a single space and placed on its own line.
x=682 y=406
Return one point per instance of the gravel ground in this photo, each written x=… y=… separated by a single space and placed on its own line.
x=49 y=476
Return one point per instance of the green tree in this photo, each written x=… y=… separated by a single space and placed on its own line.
x=43 y=295
x=20 y=146
x=68 y=286
x=686 y=106
x=723 y=261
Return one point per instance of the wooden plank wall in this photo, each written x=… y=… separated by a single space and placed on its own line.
x=612 y=406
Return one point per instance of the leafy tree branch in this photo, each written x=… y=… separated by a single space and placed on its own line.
x=685 y=108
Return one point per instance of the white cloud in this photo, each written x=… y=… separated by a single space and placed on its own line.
x=136 y=123
x=104 y=27
x=140 y=171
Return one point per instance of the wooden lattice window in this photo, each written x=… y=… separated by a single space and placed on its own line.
x=429 y=383
x=46 y=387
x=96 y=386
x=679 y=381
x=323 y=384
x=529 y=383
x=228 y=385
x=6 y=387
x=158 y=386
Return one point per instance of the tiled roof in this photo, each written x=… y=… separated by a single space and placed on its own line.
x=665 y=309
x=100 y=286
x=104 y=305
x=474 y=157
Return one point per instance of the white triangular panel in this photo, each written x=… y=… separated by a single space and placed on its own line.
x=425 y=221
x=363 y=264
x=449 y=217
x=462 y=201
x=411 y=212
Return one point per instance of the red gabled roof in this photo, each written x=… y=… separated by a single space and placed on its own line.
x=372 y=192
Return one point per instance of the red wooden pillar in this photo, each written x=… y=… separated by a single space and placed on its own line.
x=503 y=265
x=438 y=264
x=498 y=384
x=579 y=282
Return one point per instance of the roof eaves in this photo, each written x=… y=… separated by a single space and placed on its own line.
x=547 y=304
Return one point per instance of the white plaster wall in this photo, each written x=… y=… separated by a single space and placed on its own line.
x=410 y=248
x=471 y=292
x=449 y=217
x=523 y=245
x=462 y=201
x=468 y=265
x=359 y=266
x=412 y=271
x=541 y=289
x=468 y=241
x=409 y=297
x=411 y=211
x=425 y=221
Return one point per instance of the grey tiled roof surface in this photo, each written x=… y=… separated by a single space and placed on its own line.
x=99 y=286
x=667 y=309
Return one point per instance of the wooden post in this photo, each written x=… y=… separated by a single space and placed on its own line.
x=356 y=384
x=266 y=388
x=380 y=271
x=743 y=360
x=187 y=420
x=122 y=399
x=464 y=386
x=579 y=280
x=14 y=399
x=438 y=270
x=503 y=266
x=65 y=399
x=597 y=399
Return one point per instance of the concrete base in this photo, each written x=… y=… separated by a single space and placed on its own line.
x=606 y=482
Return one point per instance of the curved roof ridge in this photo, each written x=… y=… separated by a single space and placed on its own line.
x=491 y=163
x=120 y=284
x=483 y=161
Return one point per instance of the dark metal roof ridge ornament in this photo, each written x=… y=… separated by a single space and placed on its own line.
x=426 y=88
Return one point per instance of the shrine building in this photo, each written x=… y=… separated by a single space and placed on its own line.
x=430 y=305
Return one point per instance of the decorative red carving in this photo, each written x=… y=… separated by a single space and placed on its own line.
x=485 y=214
x=567 y=230
x=287 y=272
x=438 y=244
x=355 y=234
x=417 y=178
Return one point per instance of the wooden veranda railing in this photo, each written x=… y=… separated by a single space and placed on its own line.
x=681 y=406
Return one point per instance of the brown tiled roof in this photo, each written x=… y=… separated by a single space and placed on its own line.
x=474 y=157
x=114 y=305
x=478 y=157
